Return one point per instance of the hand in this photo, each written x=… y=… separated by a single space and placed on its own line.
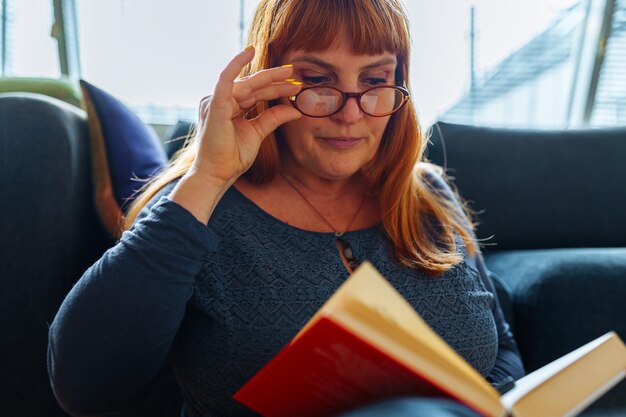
x=227 y=143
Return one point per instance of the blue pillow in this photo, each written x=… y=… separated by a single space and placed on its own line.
x=124 y=152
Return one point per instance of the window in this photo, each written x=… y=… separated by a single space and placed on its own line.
x=26 y=47
x=530 y=63
x=495 y=63
x=160 y=57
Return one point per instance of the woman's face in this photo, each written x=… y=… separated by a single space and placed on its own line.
x=338 y=146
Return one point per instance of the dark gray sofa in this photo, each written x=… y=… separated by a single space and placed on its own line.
x=551 y=207
x=49 y=235
x=554 y=202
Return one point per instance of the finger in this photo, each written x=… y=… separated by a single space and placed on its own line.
x=205 y=102
x=246 y=85
x=271 y=92
x=272 y=118
x=224 y=87
x=230 y=108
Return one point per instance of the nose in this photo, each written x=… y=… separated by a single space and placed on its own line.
x=350 y=113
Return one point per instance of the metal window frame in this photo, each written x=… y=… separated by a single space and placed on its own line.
x=4 y=52
x=65 y=31
x=605 y=34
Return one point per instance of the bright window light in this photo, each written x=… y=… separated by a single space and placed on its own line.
x=156 y=54
x=162 y=57
x=31 y=51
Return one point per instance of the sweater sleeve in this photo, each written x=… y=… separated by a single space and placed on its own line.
x=508 y=360
x=113 y=332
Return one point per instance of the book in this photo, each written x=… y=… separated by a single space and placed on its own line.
x=367 y=343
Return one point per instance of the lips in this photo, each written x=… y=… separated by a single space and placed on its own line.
x=341 y=142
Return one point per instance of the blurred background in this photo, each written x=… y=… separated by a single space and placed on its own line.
x=524 y=63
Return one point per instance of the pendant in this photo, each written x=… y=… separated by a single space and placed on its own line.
x=348 y=254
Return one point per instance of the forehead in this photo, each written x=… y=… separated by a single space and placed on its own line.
x=336 y=60
x=340 y=54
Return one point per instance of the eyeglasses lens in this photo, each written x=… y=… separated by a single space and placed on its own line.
x=381 y=101
x=322 y=101
x=319 y=101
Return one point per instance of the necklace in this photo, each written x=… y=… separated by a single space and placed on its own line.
x=344 y=247
x=338 y=233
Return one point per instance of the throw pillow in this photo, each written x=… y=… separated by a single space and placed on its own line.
x=124 y=153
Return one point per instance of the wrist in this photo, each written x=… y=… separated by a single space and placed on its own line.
x=199 y=193
x=207 y=180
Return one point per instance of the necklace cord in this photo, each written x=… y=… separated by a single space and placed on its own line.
x=316 y=211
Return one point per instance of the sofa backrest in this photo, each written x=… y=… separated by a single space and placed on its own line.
x=536 y=188
x=49 y=235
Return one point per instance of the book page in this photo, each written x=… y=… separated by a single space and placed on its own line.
x=366 y=286
x=570 y=382
x=371 y=288
x=534 y=380
x=463 y=383
x=366 y=342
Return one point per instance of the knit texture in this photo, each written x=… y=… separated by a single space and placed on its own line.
x=266 y=279
x=218 y=302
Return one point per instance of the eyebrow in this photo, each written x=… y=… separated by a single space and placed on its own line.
x=322 y=63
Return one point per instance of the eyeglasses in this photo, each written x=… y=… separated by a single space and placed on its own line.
x=326 y=101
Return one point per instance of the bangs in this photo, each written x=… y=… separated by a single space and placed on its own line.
x=373 y=27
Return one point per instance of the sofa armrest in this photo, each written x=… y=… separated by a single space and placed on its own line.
x=562 y=299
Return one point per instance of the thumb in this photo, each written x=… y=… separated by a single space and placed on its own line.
x=272 y=118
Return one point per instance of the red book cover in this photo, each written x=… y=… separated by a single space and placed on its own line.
x=328 y=370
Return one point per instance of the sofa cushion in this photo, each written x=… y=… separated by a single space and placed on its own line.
x=125 y=152
x=536 y=189
x=49 y=234
x=564 y=298
x=176 y=137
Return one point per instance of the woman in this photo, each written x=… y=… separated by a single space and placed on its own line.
x=303 y=167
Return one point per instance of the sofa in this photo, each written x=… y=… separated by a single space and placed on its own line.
x=551 y=213
x=50 y=233
x=551 y=203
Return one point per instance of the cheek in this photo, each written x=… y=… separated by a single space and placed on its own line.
x=296 y=137
x=378 y=127
x=301 y=129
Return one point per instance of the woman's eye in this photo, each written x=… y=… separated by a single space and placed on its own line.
x=376 y=81
x=316 y=79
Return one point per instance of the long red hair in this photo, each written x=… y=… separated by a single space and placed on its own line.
x=409 y=202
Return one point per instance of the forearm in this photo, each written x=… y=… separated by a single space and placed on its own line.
x=114 y=330
x=199 y=193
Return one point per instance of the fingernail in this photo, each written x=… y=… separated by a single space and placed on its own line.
x=249 y=47
x=294 y=82
x=290 y=79
x=287 y=66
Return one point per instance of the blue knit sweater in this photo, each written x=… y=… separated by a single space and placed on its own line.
x=218 y=302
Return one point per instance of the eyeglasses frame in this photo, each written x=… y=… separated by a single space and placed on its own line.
x=347 y=95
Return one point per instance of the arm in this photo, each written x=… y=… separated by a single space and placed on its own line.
x=114 y=330
x=508 y=361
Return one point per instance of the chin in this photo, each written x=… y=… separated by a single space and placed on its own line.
x=341 y=172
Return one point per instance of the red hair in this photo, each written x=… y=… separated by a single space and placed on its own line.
x=408 y=200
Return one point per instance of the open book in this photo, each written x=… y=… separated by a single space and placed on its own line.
x=367 y=343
